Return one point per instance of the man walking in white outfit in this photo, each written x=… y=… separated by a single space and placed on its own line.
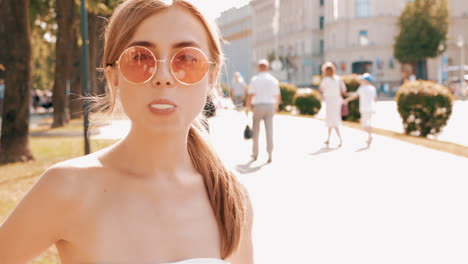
x=264 y=97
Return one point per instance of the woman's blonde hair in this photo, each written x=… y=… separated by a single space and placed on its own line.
x=225 y=193
x=328 y=67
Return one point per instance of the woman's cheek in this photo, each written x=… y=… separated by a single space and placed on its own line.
x=130 y=102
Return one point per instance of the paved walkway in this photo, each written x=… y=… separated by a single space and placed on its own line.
x=392 y=203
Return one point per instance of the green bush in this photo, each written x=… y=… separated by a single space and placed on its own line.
x=424 y=107
x=288 y=92
x=308 y=101
x=352 y=84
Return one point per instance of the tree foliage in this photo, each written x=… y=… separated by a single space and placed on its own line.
x=423 y=27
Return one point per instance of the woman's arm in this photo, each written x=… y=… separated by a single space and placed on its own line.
x=38 y=220
x=321 y=87
x=244 y=253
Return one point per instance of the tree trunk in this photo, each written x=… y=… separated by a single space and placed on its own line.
x=100 y=51
x=14 y=140
x=421 y=70
x=93 y=37
x=65 y=21
x=75 y=101
x=96 y=45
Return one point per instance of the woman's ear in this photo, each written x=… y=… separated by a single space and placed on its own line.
x=112 y=77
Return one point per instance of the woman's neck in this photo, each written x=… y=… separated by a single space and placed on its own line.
x=148 y=153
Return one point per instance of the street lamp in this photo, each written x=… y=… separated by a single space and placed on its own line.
x=460 y=44
x=85 y=69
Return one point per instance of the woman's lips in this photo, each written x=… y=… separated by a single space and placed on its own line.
x=162 y=107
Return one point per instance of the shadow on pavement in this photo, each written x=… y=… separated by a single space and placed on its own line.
x=247 y=168
x=323 y=150
x=367 y=147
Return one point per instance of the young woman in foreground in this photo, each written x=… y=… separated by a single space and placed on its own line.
x=160 y=195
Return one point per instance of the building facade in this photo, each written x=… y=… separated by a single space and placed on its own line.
x=357 y=35
x=236 y=28
x=296 y=42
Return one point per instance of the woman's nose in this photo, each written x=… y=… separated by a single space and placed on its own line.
x=163 y=76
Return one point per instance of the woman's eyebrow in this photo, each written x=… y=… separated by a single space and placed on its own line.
x=184 y=44
x=142 y=43
x=181 y=44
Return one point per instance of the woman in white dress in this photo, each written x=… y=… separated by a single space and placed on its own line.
x=333 y=89
x=161 y=194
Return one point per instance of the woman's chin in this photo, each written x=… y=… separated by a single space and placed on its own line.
x=162 y=127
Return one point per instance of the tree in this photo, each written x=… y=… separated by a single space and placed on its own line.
x=14 y=140
x=98 y=12
x=75 y=102
x=43 y=38
x=63 y=65
x=423 y=27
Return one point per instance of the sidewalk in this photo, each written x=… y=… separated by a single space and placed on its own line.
x=392 y=203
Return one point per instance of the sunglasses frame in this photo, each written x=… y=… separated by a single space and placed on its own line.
x=160 y=61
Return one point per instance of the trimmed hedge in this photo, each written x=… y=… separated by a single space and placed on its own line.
x=352 y=84
x=308 y=101
x=424 y=106
x=288 y=92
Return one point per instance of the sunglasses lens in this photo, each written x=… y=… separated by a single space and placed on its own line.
x=137 y=64
x=189 y=65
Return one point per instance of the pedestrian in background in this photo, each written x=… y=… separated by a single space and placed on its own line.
x=238 y=90
x=367 y=95
x=264 y=97
x=333 y=89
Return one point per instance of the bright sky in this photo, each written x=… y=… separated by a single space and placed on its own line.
x=213 y=8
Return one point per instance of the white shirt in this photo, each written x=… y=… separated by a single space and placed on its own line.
x=265 y=88
x=367 y=96
x=332 y=87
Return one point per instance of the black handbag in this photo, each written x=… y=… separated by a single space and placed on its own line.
x=247 y=132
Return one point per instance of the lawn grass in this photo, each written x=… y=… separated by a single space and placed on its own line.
x=17 y=178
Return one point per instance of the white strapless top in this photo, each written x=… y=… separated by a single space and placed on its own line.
x=200 y=261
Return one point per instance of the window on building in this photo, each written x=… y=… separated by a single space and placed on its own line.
x=322 y=47
x=363 y=38
x=322 y=2
x=363 y=8
x=321 y=22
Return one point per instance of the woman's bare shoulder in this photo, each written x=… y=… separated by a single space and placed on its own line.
x=47 y=211
x=69 y=177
